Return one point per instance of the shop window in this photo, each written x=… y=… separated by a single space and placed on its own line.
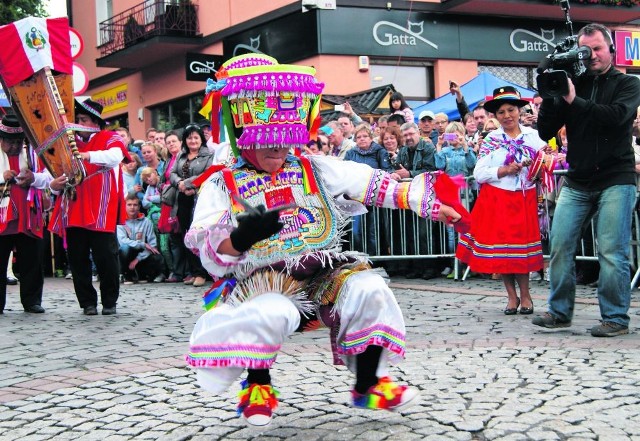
x=177 y=114
x=523 y=76
x=414 y=82
x=118 y=121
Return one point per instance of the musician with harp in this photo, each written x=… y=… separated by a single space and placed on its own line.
x=88 y=220
x=83 y=158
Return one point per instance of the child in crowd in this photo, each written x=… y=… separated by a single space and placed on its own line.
x=129 y=171
x=398 y=105
x=152 y=204
x=455 y=157
x=151 y=200
x=453 y=154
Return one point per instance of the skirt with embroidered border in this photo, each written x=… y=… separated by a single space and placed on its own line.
x=505 y=234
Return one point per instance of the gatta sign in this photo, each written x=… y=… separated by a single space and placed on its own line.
x=199 y=67
x=387 y=33
x=522 y=40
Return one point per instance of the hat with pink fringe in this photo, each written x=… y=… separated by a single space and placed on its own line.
x=264 y=104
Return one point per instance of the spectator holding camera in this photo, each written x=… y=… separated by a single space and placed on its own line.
x=528 y=117
x=598 y=111
x=453 y=154
x=455 y=157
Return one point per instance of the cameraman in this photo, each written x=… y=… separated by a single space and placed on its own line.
x=598 y=113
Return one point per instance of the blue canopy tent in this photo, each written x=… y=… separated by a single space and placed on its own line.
x=473 y=91
x=4 y=102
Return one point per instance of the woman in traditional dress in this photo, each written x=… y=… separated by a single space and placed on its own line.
x=505 y=235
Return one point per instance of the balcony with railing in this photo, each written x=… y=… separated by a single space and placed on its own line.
x=148 y=32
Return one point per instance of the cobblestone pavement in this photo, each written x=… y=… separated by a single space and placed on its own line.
x=482 y=375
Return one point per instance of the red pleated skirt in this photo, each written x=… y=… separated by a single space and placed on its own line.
x=505 y=235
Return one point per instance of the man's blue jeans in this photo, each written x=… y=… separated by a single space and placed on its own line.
x=364 y=226
x=612 y=208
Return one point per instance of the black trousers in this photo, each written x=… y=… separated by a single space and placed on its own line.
x=29 y=251
x=147 y=268
x=185 y=217
x=104 y=248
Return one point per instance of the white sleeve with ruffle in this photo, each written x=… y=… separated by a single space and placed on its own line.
x=210 y=226
x=374 y=187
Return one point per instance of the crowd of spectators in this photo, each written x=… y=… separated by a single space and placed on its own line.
x=406 y=147
x=396 y=142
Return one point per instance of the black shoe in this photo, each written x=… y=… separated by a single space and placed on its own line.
x=12 y=281
x=90 y=310
x=429 y=274
x=34 y=309
x=526 y=311
x=550 y=321
x=411 y=275
x=512 y=311
x=609 y=329
x=109 y=311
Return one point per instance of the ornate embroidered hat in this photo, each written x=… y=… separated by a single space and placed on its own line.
x=503 y=95
x=10 y=128
x=267 y=104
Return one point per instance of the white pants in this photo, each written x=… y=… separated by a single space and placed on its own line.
x=226 y=339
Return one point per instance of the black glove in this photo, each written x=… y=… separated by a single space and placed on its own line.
x=254 y=226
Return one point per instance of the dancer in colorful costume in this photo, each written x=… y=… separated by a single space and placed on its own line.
x=269 y=230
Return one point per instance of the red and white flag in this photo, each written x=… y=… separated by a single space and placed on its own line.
x=31 y=44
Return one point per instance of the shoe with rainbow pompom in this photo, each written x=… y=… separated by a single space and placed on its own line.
x=386 y=395
x=257 y=403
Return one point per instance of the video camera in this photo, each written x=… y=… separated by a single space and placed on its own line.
x=566 y=60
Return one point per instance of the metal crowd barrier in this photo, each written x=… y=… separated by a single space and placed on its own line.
x=403 y=235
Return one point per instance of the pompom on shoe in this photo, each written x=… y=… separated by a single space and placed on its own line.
x=257 y=403
x=385 y=395
x=448 y=192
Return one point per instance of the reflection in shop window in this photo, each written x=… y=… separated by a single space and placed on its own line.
x=117 y=121
x=412 y=81
x=177 y=114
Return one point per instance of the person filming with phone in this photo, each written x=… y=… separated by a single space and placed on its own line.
x=598 y=111
x=456 y=158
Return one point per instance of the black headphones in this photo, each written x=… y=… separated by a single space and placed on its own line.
x=612 y=47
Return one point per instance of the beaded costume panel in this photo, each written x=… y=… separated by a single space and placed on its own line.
x=309 y=226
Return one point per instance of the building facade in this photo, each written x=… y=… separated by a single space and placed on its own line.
x=148 y=61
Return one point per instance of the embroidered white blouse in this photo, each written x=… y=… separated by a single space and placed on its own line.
x=486 y=170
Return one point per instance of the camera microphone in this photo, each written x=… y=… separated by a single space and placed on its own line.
x=543 y=65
